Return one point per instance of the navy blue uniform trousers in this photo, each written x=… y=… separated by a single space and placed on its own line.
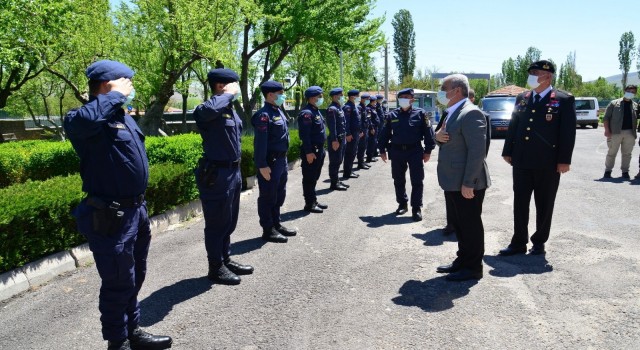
x=400 y=161
x=220 y=206
x=311 y=174
x=121 y=261
x=363 y=143
x=272 y=192
x=350 y=153
x=335 y=159
x=372 y=144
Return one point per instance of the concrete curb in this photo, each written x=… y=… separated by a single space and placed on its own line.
x=33 y=274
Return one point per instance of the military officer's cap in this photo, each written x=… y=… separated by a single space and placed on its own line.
x=379 y=97
x=365 y=96
x=313 y=91
x=408 y=91
x=335 y=91
x=373 y=98
x=271 y=86
x=542 y=65
x=106 y=70
x=354 y=92
x=222 y=75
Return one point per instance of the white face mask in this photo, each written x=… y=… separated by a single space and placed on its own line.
x=629 y=95
x=442 y=97
x=533 y=81
x=341 y=100
x=404 y=103
x=357 y=100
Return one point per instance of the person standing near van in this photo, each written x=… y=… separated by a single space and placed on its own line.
x=620 y=123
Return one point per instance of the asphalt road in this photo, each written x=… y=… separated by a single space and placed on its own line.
x=357 y=277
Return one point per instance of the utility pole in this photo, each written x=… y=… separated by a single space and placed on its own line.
x=386 y=71
x=341 y=64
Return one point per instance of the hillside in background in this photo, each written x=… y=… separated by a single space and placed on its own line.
x=632 y=78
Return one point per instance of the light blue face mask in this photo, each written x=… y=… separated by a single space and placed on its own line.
x=130 y=98
x=341 y=99
x=280 y=100
x=236 y=96
x=357 y=100
x=320 y=102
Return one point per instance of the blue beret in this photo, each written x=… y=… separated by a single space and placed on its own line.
x=335 y=91
x=379 y=97
x=222 y=75
x=354 y=92
x=408 y=91
x=106 y=70
x=313 y=91
x=271 y=86
x=373 y=98
x=365 y=96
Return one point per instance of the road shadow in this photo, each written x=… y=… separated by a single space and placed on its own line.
x=615 y=180
x=324 y=191
x=248 y=245
x=634 y=182
x=435 y=237
x=434 y=295
x=293 y=215
x=386 y=219
x=160 y=303
x=521 y=264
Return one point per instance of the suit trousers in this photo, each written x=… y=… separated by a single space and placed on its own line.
x=449 y=209
x=311 y=174
x=121 y=261
x=220 y=206
x=543 y=183
x=624 y=141
x=466 y=215
x=350 y=153
x=272 y=193
x=335 y=159
x=400 y=162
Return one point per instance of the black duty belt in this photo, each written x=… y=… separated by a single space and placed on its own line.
x=405 y=147
x=278 y=154
x=225 y=164
x=131 y=202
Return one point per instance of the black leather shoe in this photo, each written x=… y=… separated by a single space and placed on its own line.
x=343 y=184
x=447 y=230
x=625 y=175
x=363 y=166
x=417 y=214
x=140 y=339
x=337 y=187
x=220 y=273
x=312 y=208
x=119 y=345
x=322 y=206
x=464 y=275
x=273 y=235
x=285 y=231
x=448 y=268
x=402 y=209
x=350 y=176
x=607 y=175
x=238 y=268
x=537 y=249
x=512 y=250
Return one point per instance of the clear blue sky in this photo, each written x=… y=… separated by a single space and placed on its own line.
x=476 y=36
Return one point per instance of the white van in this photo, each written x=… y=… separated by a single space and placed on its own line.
x=587 y=111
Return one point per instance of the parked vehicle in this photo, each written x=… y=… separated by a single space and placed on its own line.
x=499 y=108
x=587 y=112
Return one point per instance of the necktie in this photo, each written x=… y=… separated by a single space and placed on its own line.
x=536 y=98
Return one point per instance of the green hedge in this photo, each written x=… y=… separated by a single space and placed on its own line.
x=35 y=217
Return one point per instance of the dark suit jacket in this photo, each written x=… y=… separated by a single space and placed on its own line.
x=461 y=160
x=543 y=135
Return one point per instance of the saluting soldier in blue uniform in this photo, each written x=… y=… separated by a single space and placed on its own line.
x=539 y=146
x=113 y=217
x=270 y=146
x=404 y=129
x=375 y=121
x=218 y=174
x=337 y=138
x=365 y=123
x=354 y=133
x=313 y=137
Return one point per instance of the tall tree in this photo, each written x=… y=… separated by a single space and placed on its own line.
x=568 y=77
x=626 y=54
x=509 y=71
x=404 y=43
x=514 y=71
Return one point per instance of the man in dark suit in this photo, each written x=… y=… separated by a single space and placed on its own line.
x=539 y=145
x=463 y=175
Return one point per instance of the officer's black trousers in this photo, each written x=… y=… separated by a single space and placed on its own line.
x=272 y=193
x=411 y=159
x=350 y=153
x=311 y=174
x=363 y=143
x=467 y=221
x=543 y=183
x=335 y=159
x=372 y=144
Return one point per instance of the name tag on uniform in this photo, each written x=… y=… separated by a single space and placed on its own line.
x=227 y=116
x=117 y=125
x=276 y=118
x=395 y=120
x=318 y=118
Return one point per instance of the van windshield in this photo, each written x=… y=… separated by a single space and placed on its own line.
x=498 y=104
x=582 y=105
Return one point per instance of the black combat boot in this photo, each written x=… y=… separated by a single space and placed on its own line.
x=220 y=273
x=272 y=235
x=237 y=267
x=141 y=340
x=285 y=231
x=119 y=345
